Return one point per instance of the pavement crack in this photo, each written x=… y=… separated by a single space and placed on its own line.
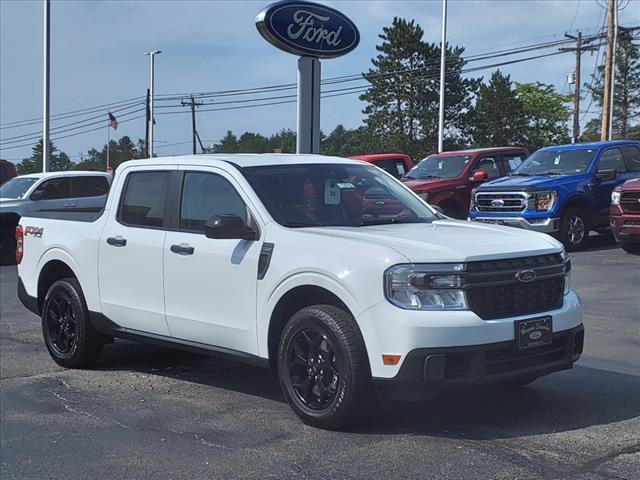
x=65 y=403
x=592 y=465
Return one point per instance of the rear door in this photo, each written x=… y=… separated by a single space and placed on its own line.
x=52 y=195
x=89 y=192
x=131 y=255
x=210 y=284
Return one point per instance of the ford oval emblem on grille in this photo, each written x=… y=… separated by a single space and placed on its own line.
x=535 y=335
x=526 y=276
x=497 y=202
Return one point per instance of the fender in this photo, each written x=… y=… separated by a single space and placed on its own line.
x=298 y=279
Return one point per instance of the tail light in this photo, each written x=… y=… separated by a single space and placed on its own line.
x=19 y=244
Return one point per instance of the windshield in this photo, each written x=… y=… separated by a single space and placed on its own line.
x=314 y=195
x=16 y=187
x=435 y=166
x=556 y=162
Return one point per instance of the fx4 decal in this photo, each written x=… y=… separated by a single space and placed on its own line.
x=35 y=231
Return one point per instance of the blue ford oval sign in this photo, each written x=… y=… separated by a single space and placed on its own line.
x=307 y=29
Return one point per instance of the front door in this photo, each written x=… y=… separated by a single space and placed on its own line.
x=210 y=284
x=610 y=159
x=52 y=195
x=131 y=253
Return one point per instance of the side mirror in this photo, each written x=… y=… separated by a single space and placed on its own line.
x=37 y=195
x=609 y=174
x=228 y=227
x=479 y=176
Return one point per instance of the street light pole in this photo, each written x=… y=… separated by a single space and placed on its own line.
x=45 y=87
x=443 y=55
x=152 y=55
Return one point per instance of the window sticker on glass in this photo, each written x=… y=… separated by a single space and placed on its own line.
x=400 y=168
x=331 y=192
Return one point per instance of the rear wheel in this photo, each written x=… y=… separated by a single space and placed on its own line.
x=68 y=333
x=323 y=367
x=573 y=229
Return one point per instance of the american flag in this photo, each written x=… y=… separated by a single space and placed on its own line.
x=113 y=122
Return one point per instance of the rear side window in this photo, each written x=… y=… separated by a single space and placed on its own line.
x=393 y=166
x=631 y=158
x=144 y=199
x=53 y=189
x=205 y=195
x=488 y=165
x=89 y=186
x=612 y=159
x=512 y=161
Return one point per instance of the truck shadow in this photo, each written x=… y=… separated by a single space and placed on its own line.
x=570 y=400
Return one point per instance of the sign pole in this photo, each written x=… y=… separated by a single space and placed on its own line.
x=308 y=137
x=443 y=63
x=45 y=87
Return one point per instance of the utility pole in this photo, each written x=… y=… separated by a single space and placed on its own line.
x=580 y=48
x=443 y=56
x=146 y=128
x=46 y=112
x=152 y=55
x=607 y=104
x=194 y=132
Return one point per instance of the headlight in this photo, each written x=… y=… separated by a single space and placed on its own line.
x=473 y=199
x=615 y=197
x=424 y=195
x=426 y=287
x=567 y=273
x=542 y=201
x=567 y=284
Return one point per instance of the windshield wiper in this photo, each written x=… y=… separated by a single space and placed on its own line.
x=388 y=221
x=519 y=174
x=427 y=177
x=553 y=173
x=300 y=225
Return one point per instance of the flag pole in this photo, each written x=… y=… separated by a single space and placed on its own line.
x=108 y=141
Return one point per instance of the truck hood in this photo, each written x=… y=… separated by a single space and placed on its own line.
x=632 y=185
x=431 y=184
x=537 y=181
x=448 y=240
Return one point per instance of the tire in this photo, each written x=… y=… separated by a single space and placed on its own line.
x=330 y=391
x=68 y=334
x=574 y=230
x=630 y=247
x=451 y=210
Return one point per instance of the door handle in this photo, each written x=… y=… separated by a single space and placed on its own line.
x=117 y=241
x=182 y=249
x=69 y=205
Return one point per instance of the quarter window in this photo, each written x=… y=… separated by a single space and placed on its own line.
x=205 y=195
x=54 y=189
x=632 y=158
x=144 y=199
x=89 y=186
x=612 y=160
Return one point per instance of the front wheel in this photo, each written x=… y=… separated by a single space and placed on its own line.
x=630 y=247
x=573 y=229
x=323 y=367
x=68 y=333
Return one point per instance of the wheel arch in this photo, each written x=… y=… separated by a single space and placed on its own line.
x=52 y=271
x=581 y=202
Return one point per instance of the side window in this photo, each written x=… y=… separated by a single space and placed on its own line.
x=401 y=167
x=488 y=165
x=612 y=159
x=144 y=198
x=631 y=158
x=89 y=186
x=205 y=195
x=388 y=166
x=54 y=189
x=512 y=161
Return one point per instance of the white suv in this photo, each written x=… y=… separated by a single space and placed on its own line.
x=329 y=270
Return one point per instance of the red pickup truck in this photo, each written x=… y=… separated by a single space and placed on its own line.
x=625 y=215
x=446 y=179
x=397 y=164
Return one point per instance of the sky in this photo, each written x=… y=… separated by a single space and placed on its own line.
x=97 y=58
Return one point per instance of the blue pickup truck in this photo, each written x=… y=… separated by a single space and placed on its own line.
x=562 y=190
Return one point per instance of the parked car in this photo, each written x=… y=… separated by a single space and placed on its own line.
x=563 y=190
x=281 y=260
x=625 y=214
x=7 y=171
x=446 y=179
x=53 y=192
x=397 y=164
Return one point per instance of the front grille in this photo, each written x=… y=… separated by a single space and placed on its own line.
x=630 y=201
x=501 y=202
x=494 y=290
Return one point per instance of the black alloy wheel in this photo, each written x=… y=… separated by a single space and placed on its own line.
x=61 y=325
x=313 y=369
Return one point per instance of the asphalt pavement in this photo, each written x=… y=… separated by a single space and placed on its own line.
x=149 y=413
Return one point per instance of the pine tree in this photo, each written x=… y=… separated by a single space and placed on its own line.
x=58 y=160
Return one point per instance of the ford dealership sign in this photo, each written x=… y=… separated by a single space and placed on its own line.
x=307 y=29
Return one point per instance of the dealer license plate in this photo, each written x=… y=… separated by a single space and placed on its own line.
x=533 y=333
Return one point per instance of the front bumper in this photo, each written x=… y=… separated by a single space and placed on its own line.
x=428 y=370
x=626 y=228
x=544 y=225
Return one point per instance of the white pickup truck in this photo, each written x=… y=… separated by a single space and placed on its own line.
x=327 y=269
